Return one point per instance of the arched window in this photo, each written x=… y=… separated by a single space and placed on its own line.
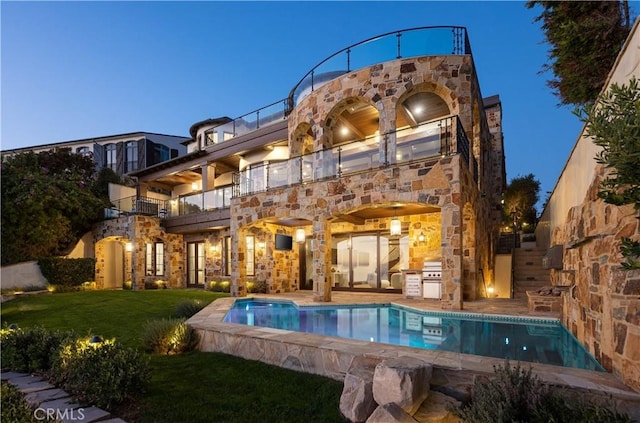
x=132 y=156
x=110 y=157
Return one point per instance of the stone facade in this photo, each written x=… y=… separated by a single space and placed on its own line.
x=602 y=308
x=463 y=225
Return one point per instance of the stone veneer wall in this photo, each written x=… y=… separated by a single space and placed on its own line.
x=602 y=308
x=141 y=230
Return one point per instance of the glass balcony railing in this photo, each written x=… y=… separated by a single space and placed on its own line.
x=214 y=199
x=246 y=123
x=431 y=139
x=424 y=41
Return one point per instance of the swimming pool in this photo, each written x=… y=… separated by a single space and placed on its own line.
x=534 y=340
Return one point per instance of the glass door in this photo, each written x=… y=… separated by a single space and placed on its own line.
x=195 y=263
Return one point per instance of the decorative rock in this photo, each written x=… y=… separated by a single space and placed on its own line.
x=356 y=401
x=437 y=409
x=390 y=413
x=404 y=381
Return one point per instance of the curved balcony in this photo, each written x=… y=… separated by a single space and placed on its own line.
x=422 y=41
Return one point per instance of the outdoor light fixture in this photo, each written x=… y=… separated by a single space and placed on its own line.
x=213 y=248
x=261 y=245
x=95 y=339
x=395 y=226
x=13 y=326
x=421 y=237
x=490 y=289
x=300 y=235
x=194 y=186
x=129 y=246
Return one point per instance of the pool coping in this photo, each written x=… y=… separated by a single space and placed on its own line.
x=334 y=357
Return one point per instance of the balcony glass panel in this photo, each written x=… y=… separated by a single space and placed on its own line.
x=420 y=142
x=217 y=198
x=436 y=41
x=278 y=174
x=191 y=204
x=374 y=51
x=360 y=155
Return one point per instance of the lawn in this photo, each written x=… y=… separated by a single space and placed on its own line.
x=193 y=387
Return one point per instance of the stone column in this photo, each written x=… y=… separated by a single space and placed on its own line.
x=322 y=260
x=238 y=269
x=451 y=257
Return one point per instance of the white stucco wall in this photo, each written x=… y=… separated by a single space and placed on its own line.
x=579 y=170
x=22 y=275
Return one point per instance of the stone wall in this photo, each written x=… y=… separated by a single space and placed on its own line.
x=602 y=308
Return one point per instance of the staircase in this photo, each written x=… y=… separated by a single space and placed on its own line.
x=529 y=275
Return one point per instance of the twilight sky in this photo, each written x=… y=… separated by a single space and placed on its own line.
x=73 y=70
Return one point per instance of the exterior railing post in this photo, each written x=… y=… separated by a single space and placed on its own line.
x=339 y=162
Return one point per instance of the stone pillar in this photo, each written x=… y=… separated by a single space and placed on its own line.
x=322 y=260
x=238 y=269
x=451 y=258
x=141 y=189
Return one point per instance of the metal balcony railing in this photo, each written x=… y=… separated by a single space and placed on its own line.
x=137 y=206
x=431 y=139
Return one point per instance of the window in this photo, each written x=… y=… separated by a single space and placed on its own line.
x=132 y=156
x=161 y=153
x=211 y=138
x=226 y=255
x=195 y=263
x=154 y=259
x=250 y=255
x=110 y=156
x=84 y=151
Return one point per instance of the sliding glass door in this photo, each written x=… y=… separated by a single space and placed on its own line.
x=368 y=261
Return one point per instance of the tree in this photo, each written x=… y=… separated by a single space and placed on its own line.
x=48 y=203
x=585 y=38
x=520 y=200
x=613 y=123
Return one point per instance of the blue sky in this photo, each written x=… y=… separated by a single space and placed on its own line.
x=73 y=70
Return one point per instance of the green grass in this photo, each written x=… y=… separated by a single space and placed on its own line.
x=194 y=387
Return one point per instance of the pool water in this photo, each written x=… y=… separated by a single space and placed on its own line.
x=518 y=339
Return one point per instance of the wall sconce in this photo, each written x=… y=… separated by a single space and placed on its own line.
x=213 y=248
x=421 y=237
x=300 y=235
x=395 y=227
x=490 y=290
x=194 y=186
x=128 y=247
x=261 y=245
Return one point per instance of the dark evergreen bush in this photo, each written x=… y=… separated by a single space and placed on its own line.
x=31 y=350
x=67 y=272
x=102 y=374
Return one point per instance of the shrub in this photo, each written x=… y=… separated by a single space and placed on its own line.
x=14 y=408
x=32 y=349
x=220 y=286
x=515 y=395
x=169 y=336
x=102 y=374
x=188 y=308
x=257 y=287
x=67 y=272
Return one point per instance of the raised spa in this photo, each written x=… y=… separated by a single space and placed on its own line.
x=535 y=340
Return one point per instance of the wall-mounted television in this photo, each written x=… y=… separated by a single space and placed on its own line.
x=284 y=242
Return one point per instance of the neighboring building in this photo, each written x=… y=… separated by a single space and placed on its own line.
x=602 y=304
x=124 y=153
x=366 y=170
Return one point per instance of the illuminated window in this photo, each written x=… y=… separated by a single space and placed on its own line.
x=154 y=259
x=250 y=255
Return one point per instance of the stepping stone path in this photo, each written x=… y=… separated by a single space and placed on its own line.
x=47 y=400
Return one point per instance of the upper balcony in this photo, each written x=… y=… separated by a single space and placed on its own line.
x=422 y=41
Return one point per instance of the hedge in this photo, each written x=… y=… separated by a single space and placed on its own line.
x=67 y=272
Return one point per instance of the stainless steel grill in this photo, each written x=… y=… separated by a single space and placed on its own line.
x=432 y=279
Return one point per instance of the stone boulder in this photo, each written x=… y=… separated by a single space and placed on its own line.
x=356 y=401
x=390 y=413
x=438 y=409
x=404 y=381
